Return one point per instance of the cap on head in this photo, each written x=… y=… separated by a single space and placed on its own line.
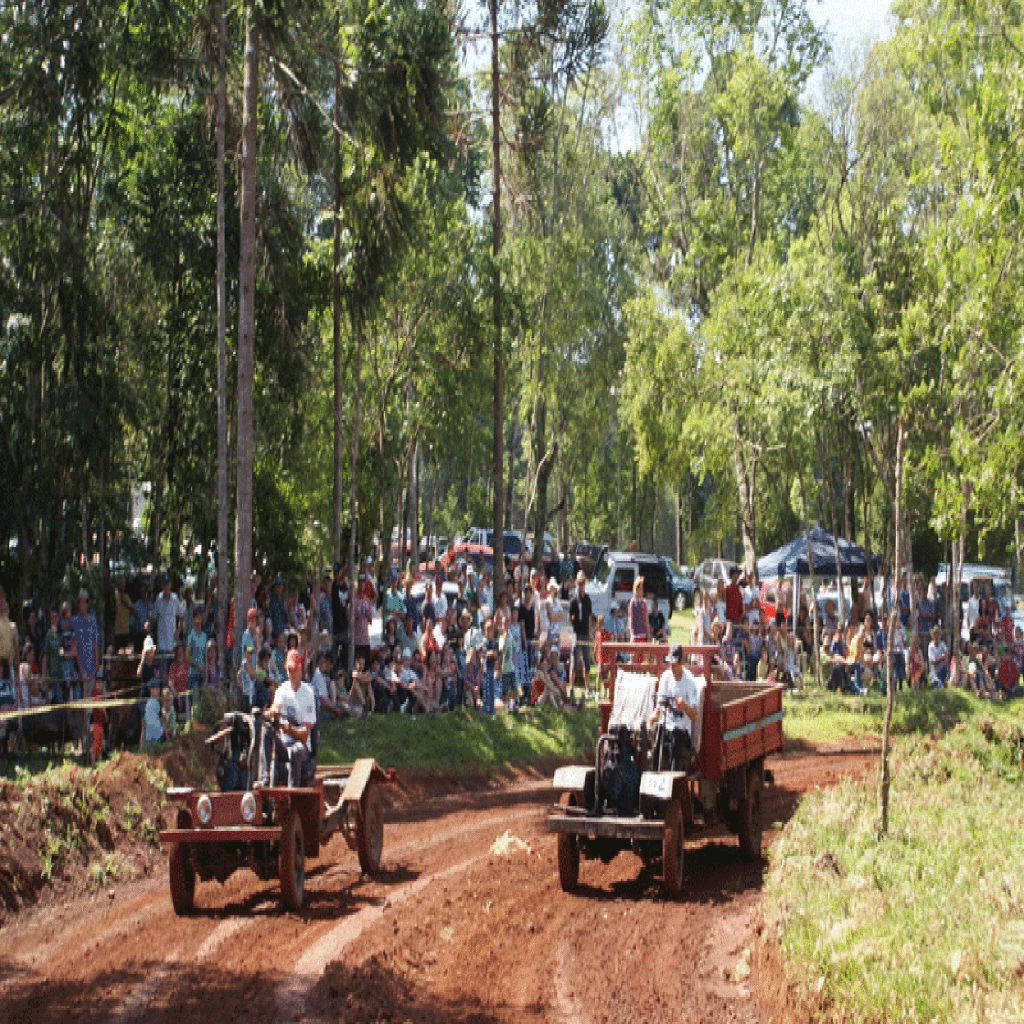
x=148 y=645
x=734 y=571
x=581 y=577
x=407 y=655
x=83 y=594
x=552 y=585
x=278 y=580
x=293 y=660
x=252 y=615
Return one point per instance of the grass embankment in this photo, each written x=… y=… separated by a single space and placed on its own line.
x=462 y=740
x=927 y=922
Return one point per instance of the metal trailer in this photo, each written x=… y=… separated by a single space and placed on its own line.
x=273 y=829
x=742 y=724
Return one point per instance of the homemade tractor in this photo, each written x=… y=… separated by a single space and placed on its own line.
x=623 y=802
x=272 y=829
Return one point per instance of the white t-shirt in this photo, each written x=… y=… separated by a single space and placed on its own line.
x=167 y=611
x=555 y=614
x=300 y=704
x=691 y=688
x=973 y=608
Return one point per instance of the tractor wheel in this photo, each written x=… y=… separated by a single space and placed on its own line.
x=291 y=860
x=750 y=817
x=672 y=850
x=370 y=833
x=183 y=878
x=568 y=852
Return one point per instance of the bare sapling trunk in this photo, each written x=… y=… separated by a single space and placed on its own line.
x=893 y=613
x=222 y=359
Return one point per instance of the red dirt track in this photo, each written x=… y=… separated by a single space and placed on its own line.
x=450 y=931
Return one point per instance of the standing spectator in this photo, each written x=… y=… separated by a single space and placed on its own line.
x=925 y=611
x=973 y=610
x=326 y=611
x=555 y=613
x=339 y=610
x=167 y=612
x=9 y=645
x=141 y=617
x=276 y=607
x=87 y=639
x=490 y=651
x=211 y=670
x=508 y=666
x=486 y=595
x=734 y=598
x=528 y=620
x=196 y=644
x=177 y=677
x=580 y=613
x=34 y=629
x=362 y=617
x=123 y=611
x=51 y=660
x=639 y=623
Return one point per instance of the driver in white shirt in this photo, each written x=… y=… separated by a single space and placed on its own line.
x=681 y=699
x=295 y=706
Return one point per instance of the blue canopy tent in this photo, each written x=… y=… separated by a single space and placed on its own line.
x=791 y=559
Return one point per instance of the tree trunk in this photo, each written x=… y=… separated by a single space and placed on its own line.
x=352 y=575
x=899 y=526
x=339 y=451
x=499 y=381
x=246 y=334
x=222 y=358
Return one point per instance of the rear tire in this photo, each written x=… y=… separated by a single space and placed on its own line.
x=750 y=817
x=292 y=861
x=568 y=852
x=672 y=850
x=183 y=878
x=370 y=834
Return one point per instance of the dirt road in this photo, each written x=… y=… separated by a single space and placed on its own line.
x=456 y=928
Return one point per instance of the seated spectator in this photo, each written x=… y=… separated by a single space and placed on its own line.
x=546 y=687
x=324 y=687
x=938 y=659
x=656 y=619
x=360 y=694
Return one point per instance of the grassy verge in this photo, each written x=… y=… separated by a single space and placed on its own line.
x=926 y=923
x=819 y=716
x=461 y=740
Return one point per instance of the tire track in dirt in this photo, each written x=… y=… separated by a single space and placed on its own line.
x=138 y=1000
x=291 y=994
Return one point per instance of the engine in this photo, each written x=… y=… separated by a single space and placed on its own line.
x=619 y=791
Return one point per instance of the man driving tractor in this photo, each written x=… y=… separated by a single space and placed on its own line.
x=294 y=710
x=681 y=699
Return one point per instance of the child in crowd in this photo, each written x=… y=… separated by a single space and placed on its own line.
x=508 y=674
x=177 y=679
x=211 y=670
x=196 y=644
x=601 y=656
x=915 y=665
x=360 y=694
x=490 y=653
x=474 y=675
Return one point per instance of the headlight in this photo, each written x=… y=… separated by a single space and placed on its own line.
x=249 y=808
x=204 y=810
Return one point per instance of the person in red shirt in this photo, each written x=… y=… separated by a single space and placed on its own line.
x=734 y=598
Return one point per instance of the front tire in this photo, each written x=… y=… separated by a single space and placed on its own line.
x=370 y=834
x=183 y=878
x=672 y=850
x=750 y=817
x=292 y=861
x=568 y=852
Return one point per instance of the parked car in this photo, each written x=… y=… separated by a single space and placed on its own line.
x=587 y=554
x=612 y=583
x=708 y=573
x=682 y=585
